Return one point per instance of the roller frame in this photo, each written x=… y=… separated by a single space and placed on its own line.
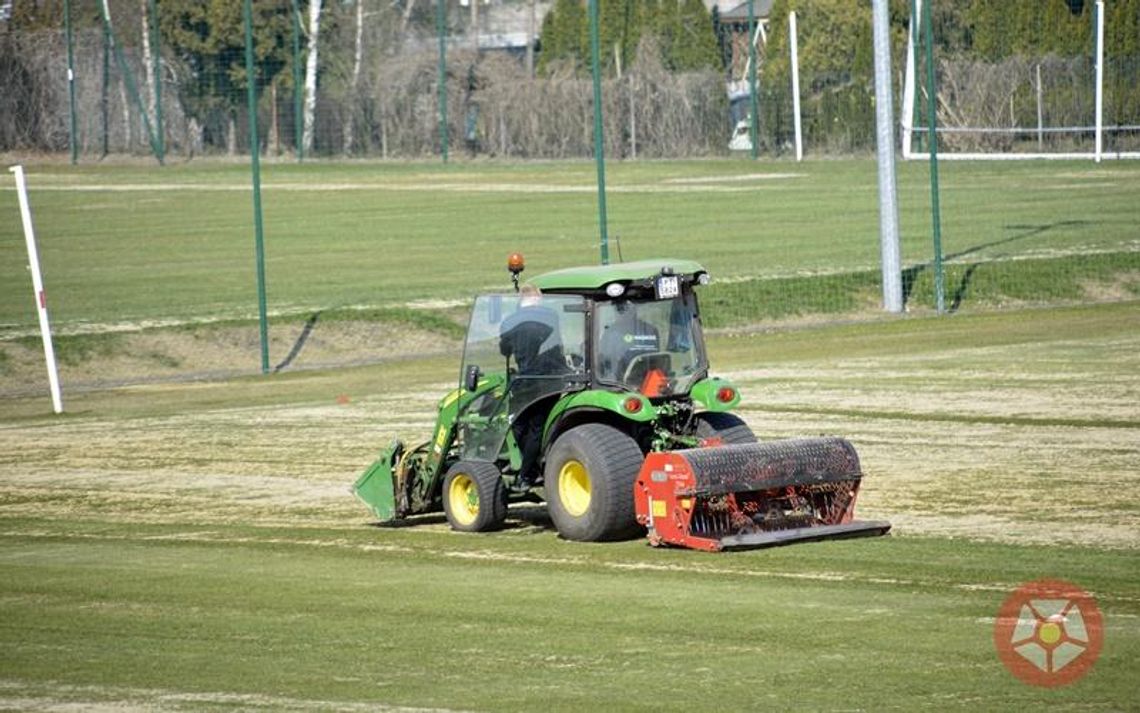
x=712 y=498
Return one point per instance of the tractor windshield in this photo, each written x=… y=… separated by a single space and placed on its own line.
x=651 y=347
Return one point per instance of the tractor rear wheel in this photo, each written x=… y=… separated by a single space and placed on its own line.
x=729 y=427
x=474 y=498
x=589 y=477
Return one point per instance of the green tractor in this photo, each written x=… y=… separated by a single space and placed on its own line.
x=566 y=385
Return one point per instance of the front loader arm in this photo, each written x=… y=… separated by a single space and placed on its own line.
x=404 y=482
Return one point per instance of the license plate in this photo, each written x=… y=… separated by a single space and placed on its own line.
x=668 y=286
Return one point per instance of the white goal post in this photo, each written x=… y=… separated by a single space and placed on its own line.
x=38 y=288
x=912 y=88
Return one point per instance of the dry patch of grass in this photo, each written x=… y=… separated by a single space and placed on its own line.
x=1010 y=443
x=1020 y=442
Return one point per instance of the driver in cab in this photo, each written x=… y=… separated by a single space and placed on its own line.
x=531 y=335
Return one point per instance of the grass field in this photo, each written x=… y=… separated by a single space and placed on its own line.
x=193 y=546
x=183 y=538
x=124 y=244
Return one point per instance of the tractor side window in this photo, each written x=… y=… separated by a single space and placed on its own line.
x=522 y=352
x=535 y=338
x=544 y=336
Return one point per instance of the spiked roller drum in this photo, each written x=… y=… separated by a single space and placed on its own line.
x=754 y=495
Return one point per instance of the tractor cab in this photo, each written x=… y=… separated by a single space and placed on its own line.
x=630 y=329
x=645 y=333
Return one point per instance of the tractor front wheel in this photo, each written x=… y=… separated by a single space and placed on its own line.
x=589 y=476
x=474 y=498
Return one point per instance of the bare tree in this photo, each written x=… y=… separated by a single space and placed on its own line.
x=354 y=88
x=474 y=25
x=148 y=64
x=311 y=65
x=407 y=15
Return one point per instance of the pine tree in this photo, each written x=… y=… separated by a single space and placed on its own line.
x=208 y=38
x=563 y=31
x=723 y=41
x=989 y=29
x=694 y=46
x=1122 y=53
x=684 y=29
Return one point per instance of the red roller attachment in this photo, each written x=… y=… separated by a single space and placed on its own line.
x=756 y=495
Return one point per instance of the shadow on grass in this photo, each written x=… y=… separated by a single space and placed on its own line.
x=413 y=521
x=300 y=343
x=911 y=274
x=529 y=516
x=520 y=516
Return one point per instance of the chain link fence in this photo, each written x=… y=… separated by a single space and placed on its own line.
x=405 y=243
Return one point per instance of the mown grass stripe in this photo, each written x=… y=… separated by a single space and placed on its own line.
x=947 y=418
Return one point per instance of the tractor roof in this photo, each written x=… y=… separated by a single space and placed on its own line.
x=595 y=277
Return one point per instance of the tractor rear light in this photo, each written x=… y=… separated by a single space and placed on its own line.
x=615 y=289
x=632 y=404
x=725 y=394
x=703 y=278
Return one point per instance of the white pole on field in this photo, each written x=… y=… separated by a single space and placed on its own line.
x=38 y=286
x=885 y=149
x=907 y=114
x=1040 y=123
x=796 y=86
x=1099 y=78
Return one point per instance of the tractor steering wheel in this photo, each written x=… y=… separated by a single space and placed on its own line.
x=641 y=364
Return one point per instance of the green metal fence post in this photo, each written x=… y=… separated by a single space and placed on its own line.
x=298 y=110
x=255 y=169
x=72 y=144
x=599 y=142
x=441 y=29
x=128 y=78
x=754 y=103
x=160 y=133
x=932 y=121
x=104 y=88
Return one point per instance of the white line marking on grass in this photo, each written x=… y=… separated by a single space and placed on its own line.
x=745 y=177
x=66 y=698
x=547 y=188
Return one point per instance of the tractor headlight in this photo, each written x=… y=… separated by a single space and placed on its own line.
x=615 y=289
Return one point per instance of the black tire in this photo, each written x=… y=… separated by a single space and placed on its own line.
x=729 y=427
x=589 y=475
x=474 y=498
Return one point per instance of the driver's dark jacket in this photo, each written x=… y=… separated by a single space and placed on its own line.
x=531 y=336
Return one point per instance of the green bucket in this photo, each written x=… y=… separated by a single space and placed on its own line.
x=374 y=488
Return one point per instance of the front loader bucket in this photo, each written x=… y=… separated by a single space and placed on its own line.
x=375 y=487
x=754 y=495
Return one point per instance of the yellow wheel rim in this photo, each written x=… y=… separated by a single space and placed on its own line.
x=464 y=499
x=574 y=488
